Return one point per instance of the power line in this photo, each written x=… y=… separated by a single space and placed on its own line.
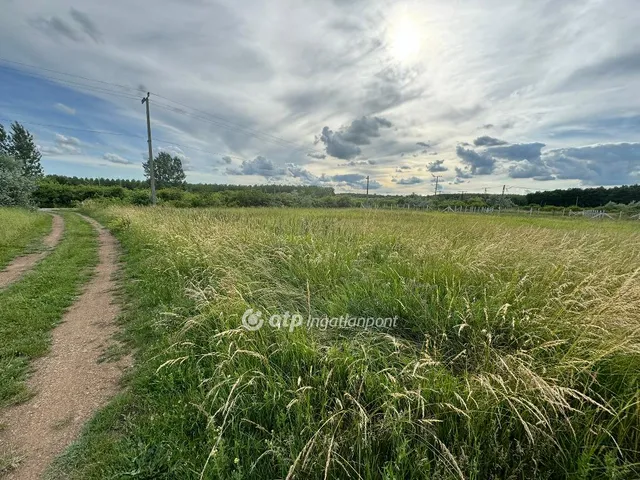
x=104 y=132
x=66 y=74
x=94 y=88
x=101 y=132
x=280 y=142
x=221 y=122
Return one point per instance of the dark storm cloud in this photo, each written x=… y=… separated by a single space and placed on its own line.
x=601 y=164
x=317 y=155
x=297 y=171
x=408 y=181
x=480 y=163
x=518 y=151
x=345 y=143
x=337 y=146
x=463 y=173
x=437 y=166
x=529 y=169
x=350 y=180
x=357 y=163
x=258 y=166
x=363 y=129
x=353 y=180
x=487 y=141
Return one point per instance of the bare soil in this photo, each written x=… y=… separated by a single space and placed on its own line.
x=71 y=383
x=20 y=265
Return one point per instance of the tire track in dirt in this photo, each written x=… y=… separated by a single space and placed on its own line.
x=69 y=384
x=22 y=264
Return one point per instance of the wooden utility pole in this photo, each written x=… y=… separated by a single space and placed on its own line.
x=152 y=173
x=367 y=187
x=503 y=189
x=437 y=177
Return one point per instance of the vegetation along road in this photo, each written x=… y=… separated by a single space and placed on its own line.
x=516 y=351
x=51 y=379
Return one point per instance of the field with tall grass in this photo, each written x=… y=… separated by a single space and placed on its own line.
x=20 y=231
x=516 y=351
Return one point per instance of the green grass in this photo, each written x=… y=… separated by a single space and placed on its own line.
x=516 y=354
x=30 y=308
x=21 y=230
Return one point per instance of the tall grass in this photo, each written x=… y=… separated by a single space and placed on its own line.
x=516 y=353
x=21 y=228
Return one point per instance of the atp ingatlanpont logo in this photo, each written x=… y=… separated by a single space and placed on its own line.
x=253 y=320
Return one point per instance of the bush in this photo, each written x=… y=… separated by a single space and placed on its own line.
x=16 y=188
x=170 y=194
x=140 y=197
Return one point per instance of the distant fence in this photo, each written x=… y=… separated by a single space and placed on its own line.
x=565 y=212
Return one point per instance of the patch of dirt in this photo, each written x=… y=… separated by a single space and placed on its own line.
x=69 y=383
x=20 y=265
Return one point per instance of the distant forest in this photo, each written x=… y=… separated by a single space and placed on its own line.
x=58 y=190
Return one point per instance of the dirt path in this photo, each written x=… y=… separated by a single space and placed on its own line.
x=69 y=383
x=24 y=263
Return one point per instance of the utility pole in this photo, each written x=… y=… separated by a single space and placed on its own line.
x=437 y=177
x=367 y=187
x=152 y=173
x=503 y=189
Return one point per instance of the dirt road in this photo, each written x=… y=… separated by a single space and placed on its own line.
x=20 y=265
x=69 y=384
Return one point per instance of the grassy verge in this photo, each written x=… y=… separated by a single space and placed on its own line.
x=21 y=230
x=30 y=308
x=516 y=353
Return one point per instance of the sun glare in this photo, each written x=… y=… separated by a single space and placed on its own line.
x=405 y=40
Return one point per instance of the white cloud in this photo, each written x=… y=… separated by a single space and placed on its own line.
x=65 y=109
x=113 y=158
x=63 y=145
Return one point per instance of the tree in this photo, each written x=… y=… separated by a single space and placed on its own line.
x=21 y=146
x=167 y=169
x=16 y=188
x=4 y=147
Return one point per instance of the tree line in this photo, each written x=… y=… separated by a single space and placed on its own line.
x=586 y=197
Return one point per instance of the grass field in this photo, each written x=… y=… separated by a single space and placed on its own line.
x=516 y=352
x=21 y=230
x=31 y=307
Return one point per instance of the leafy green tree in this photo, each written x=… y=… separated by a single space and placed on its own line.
x=16 y=188
x=21 y=146
x=167 y=169
x=3 y=141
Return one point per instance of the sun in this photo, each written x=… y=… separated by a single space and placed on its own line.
x=405 y=40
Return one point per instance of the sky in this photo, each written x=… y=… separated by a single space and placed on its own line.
x=482 y=94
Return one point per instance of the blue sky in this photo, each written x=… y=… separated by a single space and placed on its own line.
x=534 y=95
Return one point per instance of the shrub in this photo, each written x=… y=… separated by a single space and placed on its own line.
x=16 y=188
